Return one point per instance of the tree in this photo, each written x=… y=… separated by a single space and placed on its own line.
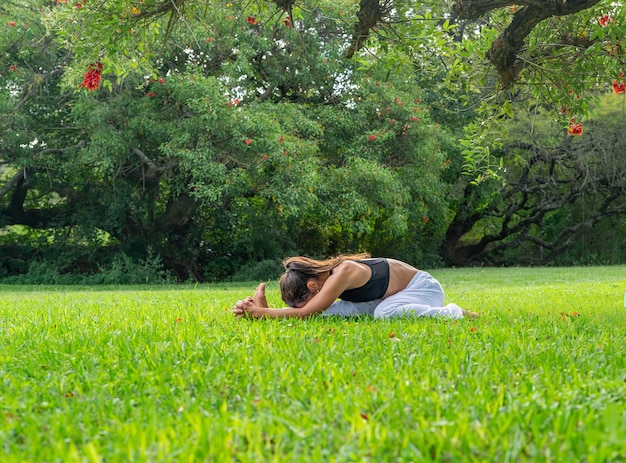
x=242 y=137
x=515 y=36
x=556 y=188
x=505 y=52
x=564 y=52
x=214 y=135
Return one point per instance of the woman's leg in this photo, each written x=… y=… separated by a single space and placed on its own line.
x=423 y=297
x=351 y=309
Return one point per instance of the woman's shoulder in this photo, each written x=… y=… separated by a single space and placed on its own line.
x=349 y=268
x=348 y=265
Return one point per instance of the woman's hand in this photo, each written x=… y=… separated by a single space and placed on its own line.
x=248 y=308
x=239 y=309
x=258 y=302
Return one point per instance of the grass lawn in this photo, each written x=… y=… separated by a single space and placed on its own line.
x=168 y=374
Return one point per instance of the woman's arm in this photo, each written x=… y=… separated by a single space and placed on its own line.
x=317 y=304
x=248 y=308
x=346 y=275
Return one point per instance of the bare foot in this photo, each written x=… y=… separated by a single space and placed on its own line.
x=259 y=296
x=470 y=314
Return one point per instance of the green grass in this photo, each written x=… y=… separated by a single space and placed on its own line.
x=168 y=374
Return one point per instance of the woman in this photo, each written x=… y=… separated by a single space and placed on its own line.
x=386 y=287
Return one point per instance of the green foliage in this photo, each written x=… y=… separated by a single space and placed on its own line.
x=568 y=63
x=318 y=168
x=565 y=60
x=265 y=270
x=169 y=374
x=557 y=193
x=122 y=270
x=237 y=137
x=481 y=140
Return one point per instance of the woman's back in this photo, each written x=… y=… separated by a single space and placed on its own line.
x=400 y=274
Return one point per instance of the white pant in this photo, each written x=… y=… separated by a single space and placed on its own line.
x=351 y=309
x=423 y=297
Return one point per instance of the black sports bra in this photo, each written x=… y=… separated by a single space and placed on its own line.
x=377 y=285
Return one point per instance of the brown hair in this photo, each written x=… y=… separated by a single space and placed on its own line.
x=300 y=270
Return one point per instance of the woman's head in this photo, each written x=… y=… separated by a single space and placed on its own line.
x=293 y=285
x=299 y=271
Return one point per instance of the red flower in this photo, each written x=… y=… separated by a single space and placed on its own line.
x=252 y=20
x=79 y=5
x=161 y=80
x=575 y=129
x=372 y=137
x=281 y=139
x=392 y=334
x=178 y=320
x=604 y=20
x=61 y=1
x=425 y=219
x=473 y=329
x=364 y=416
x=151 y=94
x=13 y=67
x=619 y=87
x=11 y=24
x=264 y=157
x=286 y=22
x=248 y=141
x=92 y=77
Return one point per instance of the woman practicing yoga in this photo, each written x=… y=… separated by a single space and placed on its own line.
x=379 y=287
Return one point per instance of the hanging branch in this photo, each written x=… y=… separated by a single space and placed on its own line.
x=370 y=13
x=12 y=183
x=505 y=49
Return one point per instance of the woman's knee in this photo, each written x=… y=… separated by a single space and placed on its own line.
x=380 y=312
x=388 y=311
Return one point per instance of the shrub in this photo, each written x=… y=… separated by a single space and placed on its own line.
x=269 y=269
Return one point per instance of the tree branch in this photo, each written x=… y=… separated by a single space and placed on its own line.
x=151 y=165
x=12 y=183
x=505 y=49
x=369 y=14
x=152 y=174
